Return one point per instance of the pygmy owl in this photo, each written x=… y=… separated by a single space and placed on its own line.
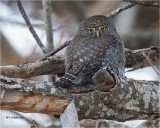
x=95 y=46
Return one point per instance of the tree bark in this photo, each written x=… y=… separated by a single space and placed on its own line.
x=128 y=100
x=154 y=3
x=53 y=65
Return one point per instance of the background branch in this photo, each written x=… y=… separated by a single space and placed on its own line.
x=137 y=100
x=154 y=3
x=30 y=27
x=150 y=63
x=136 y=60
x=119 y=10
x=56 y=50
x=47 y=11
x=48 y=24
x=55 y=65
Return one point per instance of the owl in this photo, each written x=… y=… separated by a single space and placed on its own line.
x=95 y=46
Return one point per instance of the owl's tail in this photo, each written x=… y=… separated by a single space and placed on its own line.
x=65 y=81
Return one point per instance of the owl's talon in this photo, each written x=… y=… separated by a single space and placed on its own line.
x=112 y=72
x=103 y=80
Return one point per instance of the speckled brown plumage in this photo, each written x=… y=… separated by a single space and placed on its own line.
x=96 y=45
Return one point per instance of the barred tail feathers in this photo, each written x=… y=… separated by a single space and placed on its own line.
x=65 y=81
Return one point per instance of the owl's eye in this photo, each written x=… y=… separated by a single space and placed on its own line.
x=103 y=28
x=90 y=30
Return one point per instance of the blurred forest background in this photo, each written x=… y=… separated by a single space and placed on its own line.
x=137 y=26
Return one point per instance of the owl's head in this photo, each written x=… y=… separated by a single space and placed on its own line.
x=96 y=26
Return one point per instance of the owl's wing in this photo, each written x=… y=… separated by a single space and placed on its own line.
x=75 y=53
x=85 y=54
x=69 y=55
x=115 y=56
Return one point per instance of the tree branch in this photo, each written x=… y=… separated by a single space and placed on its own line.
x=48 y=24
x=154 y=3
x=56 y=50
x=30 y=27
x=135 y=58
x=55 y=65
x=135 y=100
x=47 y=10
x=119 y=10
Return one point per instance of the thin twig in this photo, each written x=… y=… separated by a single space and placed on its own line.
x=48 y=24
x=157 y=6
x=119 y=10
x=150 y=63
x=58 y=49
x=47 y=10
x=54 y=51
x=153 y=3
x=22 y=11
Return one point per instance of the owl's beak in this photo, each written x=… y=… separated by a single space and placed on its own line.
x=97 y=34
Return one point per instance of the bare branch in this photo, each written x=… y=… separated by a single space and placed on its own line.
x=28 y=102
x=30 y=27
x=154 y=3
x=58 y=49
x=47 y=10
x=135 y=58
x=150 y=63
x=55 y=65
x=119 y=10
x=48 y=24
x=135 y=100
